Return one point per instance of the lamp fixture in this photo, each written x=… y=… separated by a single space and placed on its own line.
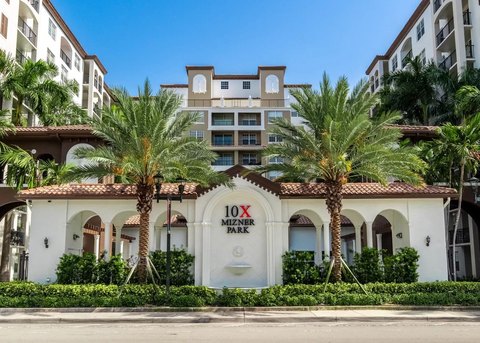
x=75 y=236
x=399 y=235
x=427 y=241
x=45 y=242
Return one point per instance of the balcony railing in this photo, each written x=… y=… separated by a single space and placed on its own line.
x=250 y=162
x=35 y=4
x=223 y=161
x=222 y=122
x=27 y=31
x=449 y=61
x=469 y=50
x=20 y=57
x=249 y=122
x=444 y=32
x=248 y=102
x=66 y=59
x=222 y=141
x=466 y=18
x=436 y=5
x=251 y=141
x=407 y=58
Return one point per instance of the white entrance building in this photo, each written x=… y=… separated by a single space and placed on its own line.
x=238 y=236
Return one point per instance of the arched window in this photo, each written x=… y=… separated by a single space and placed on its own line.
x=95 y=79
x=100 y=84
x=272 y=84
x=199 y=84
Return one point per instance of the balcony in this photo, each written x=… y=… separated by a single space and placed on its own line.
x=222 y=140
x=249 y=119
x=469 y=50
x=20 y=57
x=66 y=59
x=444 y=32
x=250 y=160
x=237 y=102
x=224 y=160
x=466 y=18
x=27 y=31
x=449 y=61
x=407 y=58
x=249 y=139
x=222 y=119
x=35 y=4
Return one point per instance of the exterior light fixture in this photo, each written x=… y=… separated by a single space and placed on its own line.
x=75 y=236
x=427 y=241
x=45 y=242
x=399 y=235
x=158 y=179
x=474 y=183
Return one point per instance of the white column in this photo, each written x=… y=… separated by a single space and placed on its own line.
x=326 y=239
x=474 y=18
x=270 y=257
x=318 y=245
x=369 y=226
x=379 y=241
x=151 y=236
x=120 y=251
x=459 y=35
x=118 y=240
x=358 y=239
x=96 y=246
x=107 y=242
x=206 y=230
x=198 y=262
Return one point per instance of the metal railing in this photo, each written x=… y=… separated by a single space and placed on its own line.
x=20 y=57
x=449 y=61
x=66 y=59
x=23 y=267
x=466 y=18
x=469 y=50
x=222 y=122
x=27 y=31
x=445 y=31
x=436 y=5
x=35 y=4
x=406 y=58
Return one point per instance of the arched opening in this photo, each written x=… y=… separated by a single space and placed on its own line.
x=304 y=236
x=272 y=84
x=85 y=234
x=406 y=52
x=179 y=232
x=467 y=245
x=13 y=237
x=199 y=84
x=66 y=52
x=382 y=235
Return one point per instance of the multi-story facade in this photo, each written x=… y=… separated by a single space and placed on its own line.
x=444 y=31
x=237 y=111
x=33 y=29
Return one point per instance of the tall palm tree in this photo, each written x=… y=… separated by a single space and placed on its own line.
x=460 y=143
x=30 y=83
x=340 y=143
x=146 y=136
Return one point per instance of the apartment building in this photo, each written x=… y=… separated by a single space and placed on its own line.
x=444 y=31
x=237 y=111
x=33 y=29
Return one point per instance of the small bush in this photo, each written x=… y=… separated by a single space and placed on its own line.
x=402 y=267
x=367 y=266
x=233 y=297
x=181 y=267
x=299 y=268
x=113 y=271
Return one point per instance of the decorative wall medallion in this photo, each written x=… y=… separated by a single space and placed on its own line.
x=237 y=251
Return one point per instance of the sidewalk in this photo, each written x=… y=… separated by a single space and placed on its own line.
x=237 y=315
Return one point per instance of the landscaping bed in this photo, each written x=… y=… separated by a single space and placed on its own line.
x=27 y=294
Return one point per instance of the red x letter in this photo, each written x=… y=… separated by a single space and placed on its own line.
x=245 y=213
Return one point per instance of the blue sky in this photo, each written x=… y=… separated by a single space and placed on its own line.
x=156 y=39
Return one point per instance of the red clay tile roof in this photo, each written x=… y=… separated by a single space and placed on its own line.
x=305 y=221
x=177 y=220
x=366 y=190
x=84 y=130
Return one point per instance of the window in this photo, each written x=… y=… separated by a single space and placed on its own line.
x=64 y=74
x=224 y=85
x=77 y=62
x=4 y=26
x=249 y=139
x=250 y=159
x=196 y=134
x=274 y=115
x=423 y=57
x=248 y=119
x=50 y=56
x=52 y=29
x=222 y=119
x=222 y=139
x=224 y=159
x=272 y=138
x=199 y=84
x=272 y=84
x=246 y=84
x=275 y=160
x=420 y=29
x=394 y=63
x=294 y=114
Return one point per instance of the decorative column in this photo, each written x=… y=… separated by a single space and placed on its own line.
x=118 y=240
x=120 y=251
x=369 y=228
x=358 y=239
x=326 y=239
x=270 y=257
x=206 y=231
x=96 y=246
x=107 y=240
x=379 y=241
x=318 y=245
x=198 y=262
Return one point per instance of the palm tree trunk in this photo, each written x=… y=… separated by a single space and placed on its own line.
x=144 y=207
x=5 y=261
x=457 y=221
x=17 y=112
x=334 y=206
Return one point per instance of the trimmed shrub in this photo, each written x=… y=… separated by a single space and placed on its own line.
x=113 y=271
x=233 y=297
x=181 y=267
x=403 y=266
x=367 y=266
x=299 y=268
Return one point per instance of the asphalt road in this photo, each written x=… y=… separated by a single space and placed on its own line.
x=231 y=333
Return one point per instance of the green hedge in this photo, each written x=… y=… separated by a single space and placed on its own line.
x=25 y=294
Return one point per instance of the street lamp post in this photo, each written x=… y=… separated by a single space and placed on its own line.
x=169 y=198
x=474 y=183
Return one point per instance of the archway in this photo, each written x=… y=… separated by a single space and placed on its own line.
x=179 y=232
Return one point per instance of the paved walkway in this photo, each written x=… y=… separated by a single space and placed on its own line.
x=218 y=315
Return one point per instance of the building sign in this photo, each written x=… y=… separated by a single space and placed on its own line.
x=238 y=219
